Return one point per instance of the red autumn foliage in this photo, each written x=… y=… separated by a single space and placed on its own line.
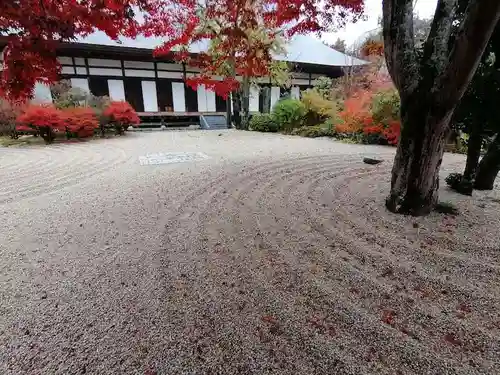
x=393 y=132
x=230 y=21
x=81 y=121
x=355 y=113
x=43 y=120
x=36 y=26
x=122 y=113
x=369 y=127
x=30 y=54
x=357 y=117
x=36 y=117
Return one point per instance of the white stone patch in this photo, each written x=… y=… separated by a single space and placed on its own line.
x=171 y=157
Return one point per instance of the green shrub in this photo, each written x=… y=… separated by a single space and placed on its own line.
x=453 y=179
x=323 y=86
x=311 y=131
x=457 y=182
x=318 y=108
x=263 y=122
x=288 y=114
x=373 y=139
x=385 y=106
x=66 y=96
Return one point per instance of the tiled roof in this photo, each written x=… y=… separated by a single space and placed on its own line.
x=302 y=48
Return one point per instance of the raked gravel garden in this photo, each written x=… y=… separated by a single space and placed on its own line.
x=206 y=252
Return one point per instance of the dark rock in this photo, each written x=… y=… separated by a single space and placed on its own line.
x=372 y=161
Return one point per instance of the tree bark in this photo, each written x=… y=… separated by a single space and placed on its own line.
x=245 y=103
x=229 y=123
x=430 y=89
x=236 y=109
x=415 y=173
x=489 y=166
x=473 y=153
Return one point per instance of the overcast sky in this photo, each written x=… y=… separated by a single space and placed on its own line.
x=373 y=10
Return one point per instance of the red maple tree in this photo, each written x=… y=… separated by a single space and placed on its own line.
x=234 y=26
x=32 y=29
x=32 y=41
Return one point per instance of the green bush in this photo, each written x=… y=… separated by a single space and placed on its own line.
x=263 y=122
x=323 y=86
x=386 y=106
x=457 y=182
x=453 y=179
x=288 y=114
x=318 y=108
x=311 y=131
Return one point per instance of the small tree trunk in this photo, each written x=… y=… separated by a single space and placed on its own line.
x=245 y=103
x=228 y=113
x=236 y=109
x=489 y=167
x=415 y=173
x=47 y=134
x=473 y=152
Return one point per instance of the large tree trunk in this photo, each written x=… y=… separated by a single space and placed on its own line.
x=415 y=173
x=430 y=88
x=489 y=167
x=473 y=152
x=466 y=184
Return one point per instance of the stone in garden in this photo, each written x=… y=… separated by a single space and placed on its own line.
x=372 y=161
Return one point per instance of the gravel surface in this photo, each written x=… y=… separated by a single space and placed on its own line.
x=274 y=255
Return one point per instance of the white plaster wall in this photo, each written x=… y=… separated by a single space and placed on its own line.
x=105 y=62
x=81 y=83
x=254 y=99
x=139 y=64
x=149 y=96
x=105 y=72
x=162 y=74
x=210 y=97
x=68 y=70
x=116 y=89
x=65 y=60
x=275 y=96
x=80 y=70
x=295 y=94
x=42 y=93
x=139 y=73
x=179 y=97
x=201 y=93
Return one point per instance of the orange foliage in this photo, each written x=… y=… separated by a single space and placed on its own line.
x=372 y=48
x=81 y=121
x=122 y=113
x=40 y=116
x=356 y=111
x=393 y=132
x=356 y=118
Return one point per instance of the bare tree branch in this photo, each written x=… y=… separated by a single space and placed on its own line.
x=475 y=32
x=399 y=44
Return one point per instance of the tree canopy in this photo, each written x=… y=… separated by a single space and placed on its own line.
x=34 y=27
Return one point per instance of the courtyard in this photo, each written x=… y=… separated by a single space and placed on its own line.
x=206 y=252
